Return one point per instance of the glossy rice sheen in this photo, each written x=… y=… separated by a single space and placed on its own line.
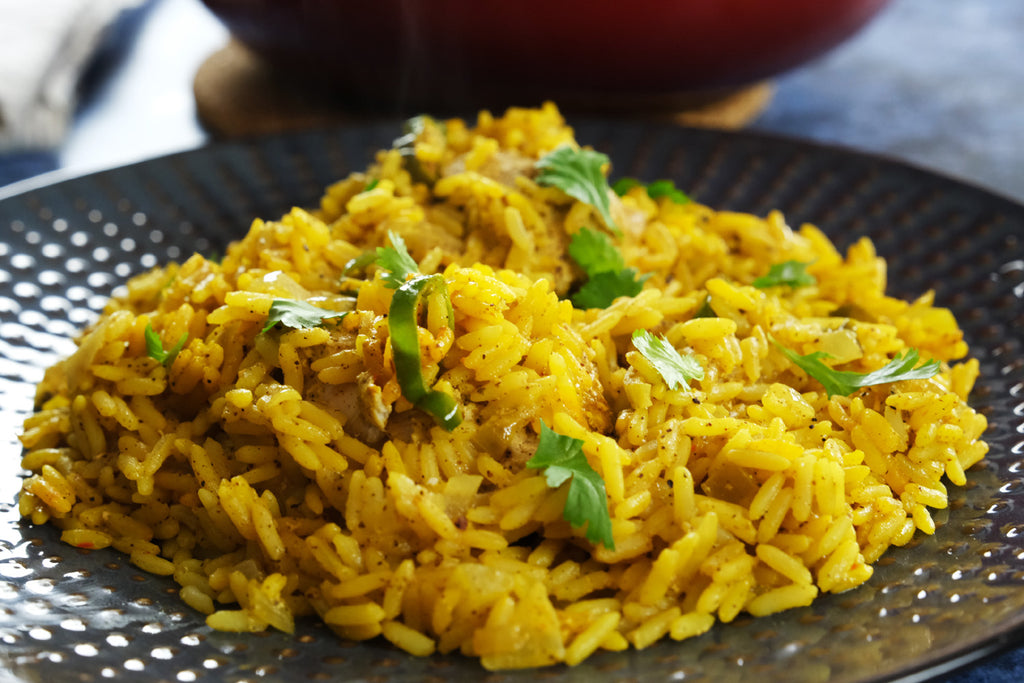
x=65 y=246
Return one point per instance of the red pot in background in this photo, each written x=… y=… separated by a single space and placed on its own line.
x=607 y=54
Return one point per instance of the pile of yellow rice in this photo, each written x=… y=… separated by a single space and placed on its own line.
x=282 y=474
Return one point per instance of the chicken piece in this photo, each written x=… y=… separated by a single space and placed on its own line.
x=372 y=399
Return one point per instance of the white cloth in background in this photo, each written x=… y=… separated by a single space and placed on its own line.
x=44 y=47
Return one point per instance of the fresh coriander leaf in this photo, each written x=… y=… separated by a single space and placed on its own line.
x=667 y=188
x=788 y=273
x=845 y=382
x=705 y=310
x=405 y=345
x=594 y=252
x=607 y=276
x=624 y=185
x=579 y=173
x=360 y=262
x=600 y=290
x=902 y=366
x=298 y=315
x=155 y=347
x=677 y=370
x=396 y=261
x=562 y=459
x=656 y=190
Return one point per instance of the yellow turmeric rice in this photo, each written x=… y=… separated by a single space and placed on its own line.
x=282 y=469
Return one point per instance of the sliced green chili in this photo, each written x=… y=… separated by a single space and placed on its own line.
x=405 y=344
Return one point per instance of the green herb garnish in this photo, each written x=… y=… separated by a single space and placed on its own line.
x=602 y=289
x=705 y=310
x=396 y=261
x=666 y=188
x=677 y=370
x=372 y=184
x=155 y=346
x=594 y=252
x=845 y=382
x=789 y=273
x=580 y=174
x=360 y=262
x=563 y=460
x=607 y=275
x=655 y=190
x=624 y=185
x=410 y=287
x=298 y=315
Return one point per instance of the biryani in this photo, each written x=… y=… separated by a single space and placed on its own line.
x=480 y=401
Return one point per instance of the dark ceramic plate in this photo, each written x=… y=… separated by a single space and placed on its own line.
x=75 y=615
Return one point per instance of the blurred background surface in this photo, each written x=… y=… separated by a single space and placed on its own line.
x=938 y=83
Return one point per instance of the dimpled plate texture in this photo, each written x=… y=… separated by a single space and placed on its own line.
x=82 y=616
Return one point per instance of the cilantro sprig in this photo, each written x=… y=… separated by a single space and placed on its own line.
x=601 y=289
x=607 y=275
x=676 y=369
x=562 y=459
x=396 y=262
x=359 y=263
x=403 y=275
x=789 y=273
x=155 y=346
x=655 y=190
x=298 y=315
x=705 y=310
x=903 y=366
x=594 y=252
x=580 y=174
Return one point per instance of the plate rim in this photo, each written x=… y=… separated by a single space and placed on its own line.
x=214 y=146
